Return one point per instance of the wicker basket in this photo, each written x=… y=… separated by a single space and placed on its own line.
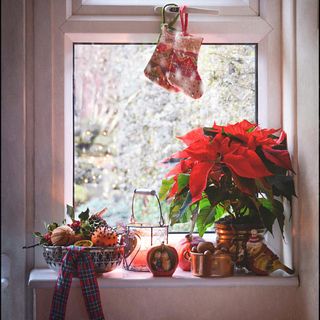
x=105 y=259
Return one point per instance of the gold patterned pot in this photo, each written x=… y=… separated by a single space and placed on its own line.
x=234 y=238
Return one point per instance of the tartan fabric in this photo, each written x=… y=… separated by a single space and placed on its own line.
x=76 y=262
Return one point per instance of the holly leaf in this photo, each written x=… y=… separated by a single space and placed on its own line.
x=84 y=215
x=52 y=226
x=70 y=212
x=37 y=234
x=85 y=229
x=43 y=241
x=165 y=187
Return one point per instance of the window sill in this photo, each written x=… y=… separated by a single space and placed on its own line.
x=120 y=278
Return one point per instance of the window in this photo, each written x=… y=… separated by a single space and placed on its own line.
x=124 y=125
x=77 y=21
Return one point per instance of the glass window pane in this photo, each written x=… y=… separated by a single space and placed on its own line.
x=124 y=124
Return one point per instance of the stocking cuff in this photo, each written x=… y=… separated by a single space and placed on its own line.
x=188 y=43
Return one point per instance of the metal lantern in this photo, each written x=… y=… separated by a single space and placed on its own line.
x=141 y=236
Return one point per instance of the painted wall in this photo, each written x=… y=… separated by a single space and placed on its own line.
x=225 y=303
x=16 y=209
x=307 y=226
x=183 y=303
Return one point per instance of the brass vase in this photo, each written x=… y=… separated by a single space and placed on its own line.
x=234 y=238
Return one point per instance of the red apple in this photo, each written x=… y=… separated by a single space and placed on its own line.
x=184 y=247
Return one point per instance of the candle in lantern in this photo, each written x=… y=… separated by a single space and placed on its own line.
x=141 y=237
x=139 y=261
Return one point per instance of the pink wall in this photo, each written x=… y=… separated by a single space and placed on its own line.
x=243 y=303
x=307 y=224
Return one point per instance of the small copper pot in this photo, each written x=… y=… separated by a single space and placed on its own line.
x=210 y=265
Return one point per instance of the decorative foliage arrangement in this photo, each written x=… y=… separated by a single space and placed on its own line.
x=237 y=171
x=88 y=227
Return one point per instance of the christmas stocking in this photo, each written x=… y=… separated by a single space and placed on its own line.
x=158 y=67
x=183 y=71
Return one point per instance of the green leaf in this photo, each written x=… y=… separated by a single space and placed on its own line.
x=264 y=187
x=43 y=241
x=52 y=226
x=230 y=135
x=278 y=211
x=206 y=218
x=266 y=213
x=85 y=229
x=204 y=203
x=84 y=215
x=165 y=187
x=183 y=181
x=208 y=131
x=282 y=185
x=179 y=209
x=186 y=204
x=219 y=212
x=37 y=234
x=194 y=217
x=70 y=212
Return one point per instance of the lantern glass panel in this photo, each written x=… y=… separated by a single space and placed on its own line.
x=146 y=237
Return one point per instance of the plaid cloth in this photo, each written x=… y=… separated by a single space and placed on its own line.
x=76 y=262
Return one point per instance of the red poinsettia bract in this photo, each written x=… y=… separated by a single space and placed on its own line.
x=243 y=148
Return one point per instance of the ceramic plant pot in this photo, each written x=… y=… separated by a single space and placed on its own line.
x=234 y=238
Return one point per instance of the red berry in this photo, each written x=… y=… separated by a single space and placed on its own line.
x=47 y=237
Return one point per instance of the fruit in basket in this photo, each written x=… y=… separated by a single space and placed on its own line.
x=75 y=225
x=184 y=247
x=84 y=243
x=62 y=236
x=104 y=237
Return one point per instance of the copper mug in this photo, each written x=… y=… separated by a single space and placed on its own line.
x=210 y=265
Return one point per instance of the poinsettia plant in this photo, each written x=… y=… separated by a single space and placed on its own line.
x=239 y=170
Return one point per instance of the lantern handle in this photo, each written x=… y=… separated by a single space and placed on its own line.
x=146 y=192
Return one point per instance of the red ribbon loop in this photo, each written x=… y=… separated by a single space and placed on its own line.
x=184 y=19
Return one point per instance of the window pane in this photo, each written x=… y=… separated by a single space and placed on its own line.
x=124 y=124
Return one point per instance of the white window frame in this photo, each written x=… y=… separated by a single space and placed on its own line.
x=60 y=23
